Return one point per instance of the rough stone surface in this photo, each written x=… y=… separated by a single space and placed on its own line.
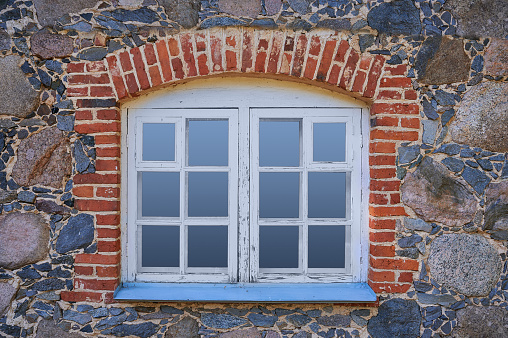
x=335 y=320
x=273 y=6
x=436 y=196
x=468 y=264
x=49 y=11
x=7 y=196
x=442 y=61
x=185 y=328
x=262 y=320
x=417 y=225
x=43 y=158
x=24 y=239
x=7 y=293
x=396 y=318
x=13 y=84
x=482 y=117
x=496 y=209
x=300 y=6
x=48 y=45
x=185 y=12
x=51 y=207
x=143 y=330
x=5 y=40
x=78 y=233
x=496 y=58
x=246 y=8
x=444 y=300
x=476 y=321
x=221 y=321
x=396 y=17
x=245 y=333
x=48 y=328
x=480 y=18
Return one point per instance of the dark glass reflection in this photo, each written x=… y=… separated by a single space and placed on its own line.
x=279 y=195
x=327 y=246
x=208 y=142
x=158 y=141
x=327 y=195
x=208 y=194
x=279 y=143
x=329 y=142
x=160 y=246
x=160 y=194
x=208 y=246
x=278 y=246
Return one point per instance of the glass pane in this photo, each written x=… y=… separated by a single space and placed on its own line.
x=329 y=142
x=327 y=195
x=160 y=246
x=158 y=141
x=208 y=194
x=208 y=246
x=279 y=195
x=327 y=246
x=160 y=194
x=278 y=246
x=279 y=143
x=208 y=142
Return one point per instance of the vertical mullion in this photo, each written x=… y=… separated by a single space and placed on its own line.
x=254 y=195
x=306 y=152
x=233 y=198
x=243 y=195
x=183 y=194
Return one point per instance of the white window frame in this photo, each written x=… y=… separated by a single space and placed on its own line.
x=217 y=95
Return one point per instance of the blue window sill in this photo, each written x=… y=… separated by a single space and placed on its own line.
x=259 y=293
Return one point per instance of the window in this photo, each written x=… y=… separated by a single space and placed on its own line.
x=244 y=181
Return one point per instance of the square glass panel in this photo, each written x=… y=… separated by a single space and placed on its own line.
x=208 y=142
x=279 y=195
x=208 y=194
x=329 y=142
x=278 y=246
x=279 y=143
x=158 y=141
x=208 y=246
x=160 y=246
x=327 y=246
x=160 y=194
x=327 y=195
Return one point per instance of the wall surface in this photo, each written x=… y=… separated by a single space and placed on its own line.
x=433 y=72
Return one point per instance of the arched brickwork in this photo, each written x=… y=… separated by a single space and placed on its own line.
x=321 y=58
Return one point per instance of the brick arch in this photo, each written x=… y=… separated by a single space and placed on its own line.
x=321 y=58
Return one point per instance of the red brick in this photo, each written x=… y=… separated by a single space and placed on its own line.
x=395 y=198
x=263 y=45
x=107 y=139
x=75 y=67
x=381 y=237
x=139 y=65
x=378 y=199
x=373 y=76
x=132 y=85
x=382 y=160
x=108 y=233
x=203 y=64
x=188 y=54
x=410 y=95
x=108 y=219
x=95 y=284
x=108 y=152
x=108 y=246
x=359 y=81
x=87 y=79
x=382 y=276
x=231 y=61
x=315 y=46
x=273 y=60
x=107 y=271
x=178 y=68
x=96 y=205
x=83 y=270
x=96 y=66
x=173 y=47
x=389 y=287
x=200 y=42
x=162 y=51
x=97 y=179
x=387 y=121
x=386 y=224
x=365 y=62
x=260 y=62
x=376 y=185
x=82 y=191
x=326 y=60
x=108 y=192
x=405 y=277
x=231 y=41
x=382 y=173
x=310 y=68
x=97 y=127
x=108 y=114
x=396 y=70
x=101 y=91
x=341 y=51
x=216 y=53
x=394 y=264
x=379 y=134
x=77 y=91
x=382 y=147
x=83 y=115
x=299 y=56
x=334 y=75
x=349 y=69
x=382 y=250
x=125 y=61
x=396 y=82
x=75 y=296
x=247 y=58
x=107 y=165
x=386 y=211
x=97 y=259
x=155 y=76
x=289 y=43
x=389 y=95
x=151 y=59
x=413 y=123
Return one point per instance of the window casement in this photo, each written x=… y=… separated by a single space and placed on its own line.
x=244 y=182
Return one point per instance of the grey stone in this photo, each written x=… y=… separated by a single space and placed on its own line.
x=481 y=321
x=496 y=58
x=24 y=239
x=436 y=196
x=7 y=293
x=13 y=84
x=51 y=207
x=476 y=178
x=82 y=161
x=359 y=320
x=171 y=310
x=300 y=6
x=99 y=313
x=49 y=11
x=7 y=196
x=408 y=252
x=144 y=15
x=496 y=207
x=485 y=164
x=49 y=285
x=143 y=330
x=399 y=17
x=262 y=320
x=273 y=6
x=77 y=234
x=5 y=40
x=422 y=286
x=187 y=327
x=26 y=196
x=109 y=322
x=156 y=315
x=80 y=26
x=417 y=225
x=7 y=123
x=184 y=12
x=243 y=333
x=302 y=334
x=43 y=158
x=444 y=98
x=429 y=131
x=246 y=8
x=221 y=21
x=449 y=149
x=32 y=122
x=51 y=296
x=93 y=54
x=334 y=24
x=453 y=164
x=299 y=320
x=408 y=154
x=396 y=318
x=48 y=45
x=48 y=328
x=482 y=118
x=465 y=263
x=80 y=318
x=334 y=320
x=480 y=18
x=221 y=321
x=407 y=242
x=444 y=300
x=365 y=41
x=442 y=61
x=65 y=122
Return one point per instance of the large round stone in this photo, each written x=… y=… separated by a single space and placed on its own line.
x=399 y=17
x=48 y=45
x=247 y=8
x=476 y=321
x=482 y=117
x=396 y=318
x=186 y=328
x=436 y=196
x=496 y=210
x=496 y=58
x=468 y=264
x=24 y=239
x=43 y=159
x=7 y=293
x=18 y=97
x=48 y=328
x=49 y=11
x=185 y=12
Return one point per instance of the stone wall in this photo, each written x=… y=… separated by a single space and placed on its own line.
x=434 y=72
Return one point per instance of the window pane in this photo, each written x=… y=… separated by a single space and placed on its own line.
x=278 y=246
x=279 y=195
x=208 y=142
x=208 y=194
x=158 y=141
x=329 y=142
x=327 y=195
x=279 y=143
x=327 y=246
x=160 y=194
x=208 y=246
x=160 y=246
